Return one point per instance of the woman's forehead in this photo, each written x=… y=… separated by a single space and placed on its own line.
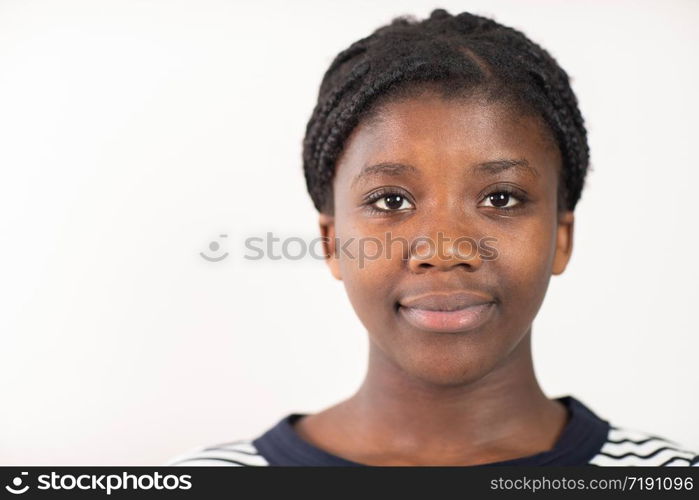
x=433 y=130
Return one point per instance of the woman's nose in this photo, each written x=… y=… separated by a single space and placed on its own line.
x=443 y=251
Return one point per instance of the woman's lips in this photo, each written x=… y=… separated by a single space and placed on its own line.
x=447 y=312
x=448 y=321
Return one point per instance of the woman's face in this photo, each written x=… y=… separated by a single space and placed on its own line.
x=447 y=232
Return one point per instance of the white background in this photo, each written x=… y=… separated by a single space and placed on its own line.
x=133 y=133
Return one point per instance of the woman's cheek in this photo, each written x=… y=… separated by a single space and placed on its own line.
x=522 y=266
x=369 y=277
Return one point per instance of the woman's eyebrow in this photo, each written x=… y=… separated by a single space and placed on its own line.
x=489 y=167
x=497 y=166
x=385 y=168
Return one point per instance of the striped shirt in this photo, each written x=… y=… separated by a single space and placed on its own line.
x=586 y=440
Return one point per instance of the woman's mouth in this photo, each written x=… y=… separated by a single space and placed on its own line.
x=452 y=313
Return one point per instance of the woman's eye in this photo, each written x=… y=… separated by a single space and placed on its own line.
x=392 y=202
x=502 y=199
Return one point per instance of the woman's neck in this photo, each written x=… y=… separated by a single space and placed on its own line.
x=396 y=418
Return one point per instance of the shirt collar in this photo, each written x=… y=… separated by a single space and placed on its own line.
x=581 y=439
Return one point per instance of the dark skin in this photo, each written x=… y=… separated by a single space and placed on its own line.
x=456 y=398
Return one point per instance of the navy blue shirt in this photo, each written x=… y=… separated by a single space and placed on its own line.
x=586 y=439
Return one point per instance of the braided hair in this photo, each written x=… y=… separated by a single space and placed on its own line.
x=459 y=55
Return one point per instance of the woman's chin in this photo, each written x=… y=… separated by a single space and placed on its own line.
x=445 y=368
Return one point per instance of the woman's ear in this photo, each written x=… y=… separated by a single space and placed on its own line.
x=564 y=242
x=327 y=232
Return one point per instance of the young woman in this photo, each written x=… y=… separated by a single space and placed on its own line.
x=456 y=147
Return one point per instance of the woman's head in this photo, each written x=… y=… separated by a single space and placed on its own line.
x=445 y=158
x=460 y=55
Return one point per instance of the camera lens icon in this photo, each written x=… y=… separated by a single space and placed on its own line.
x=16 y=488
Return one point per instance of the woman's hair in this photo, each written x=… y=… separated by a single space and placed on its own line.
x=460 y=56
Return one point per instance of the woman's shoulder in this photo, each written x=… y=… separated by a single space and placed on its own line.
x=232 y=454
x=622 y=446
x=626 y=446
